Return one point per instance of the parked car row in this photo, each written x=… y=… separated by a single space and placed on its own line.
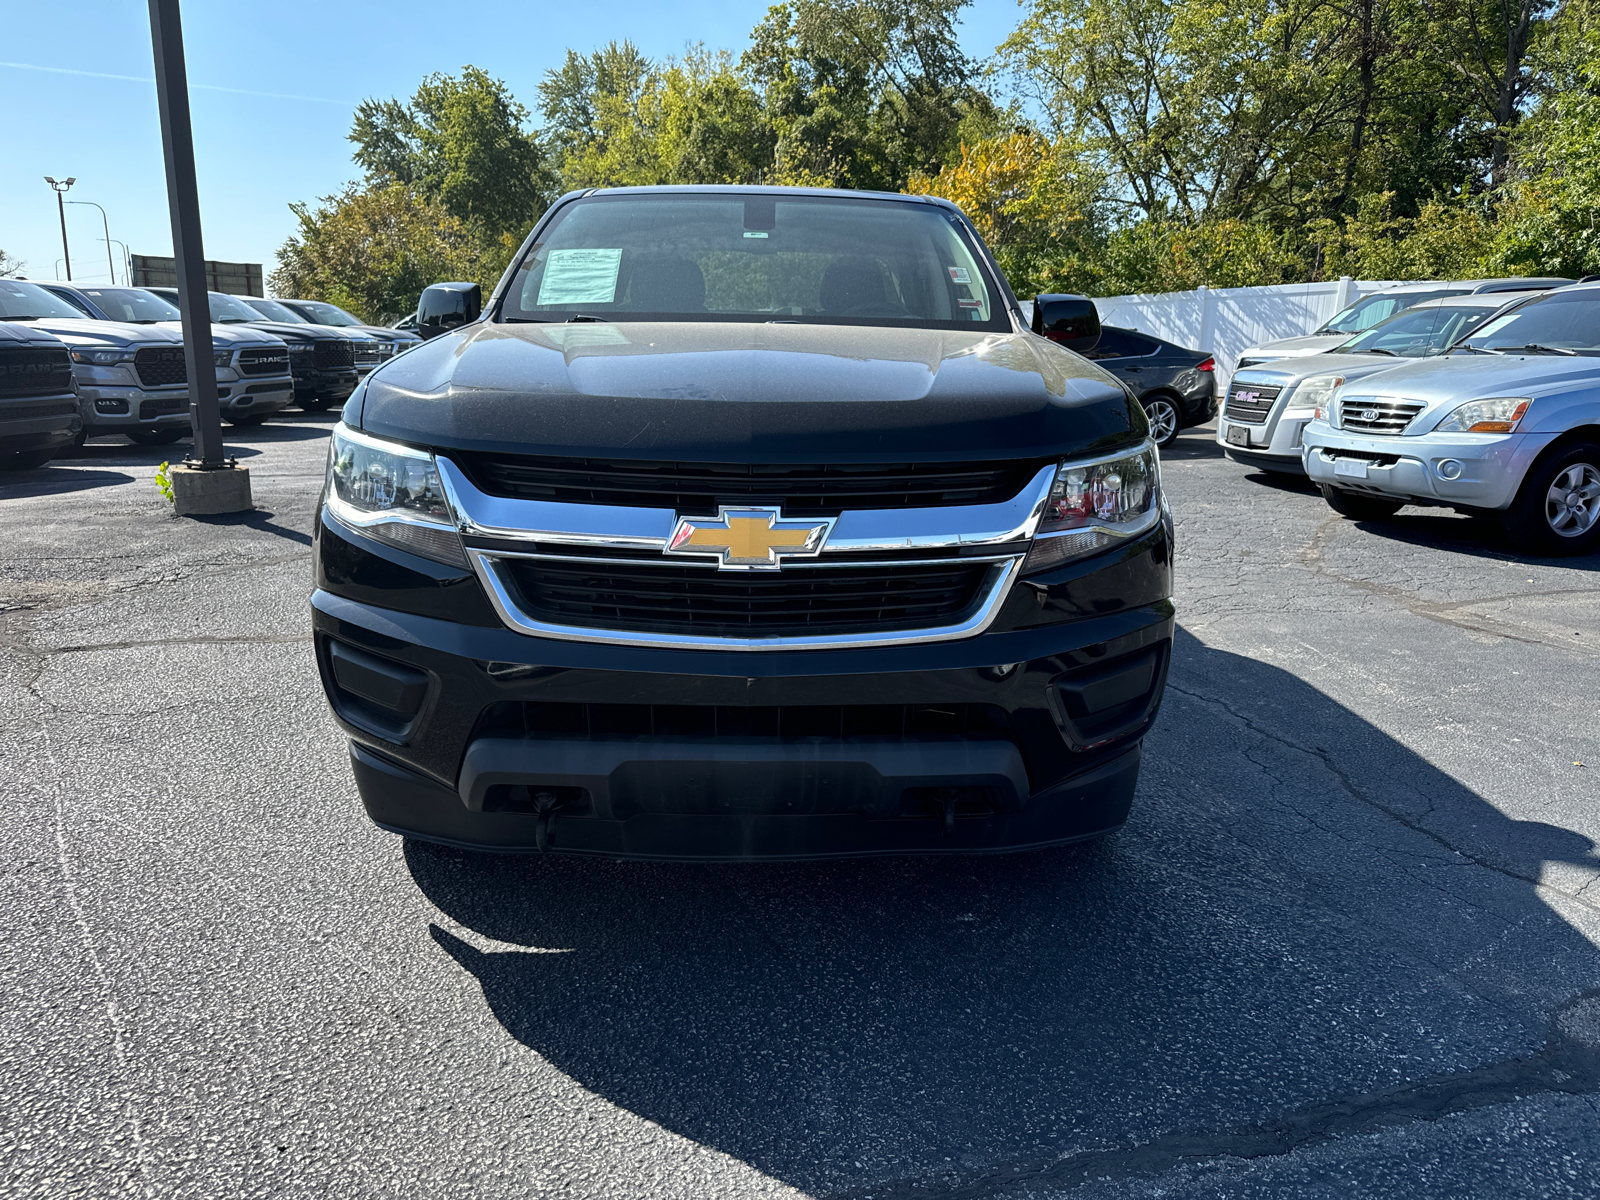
x=128 y=373
x=1485 y=400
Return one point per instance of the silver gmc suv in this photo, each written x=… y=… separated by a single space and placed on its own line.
x=1506 y=425
x=1267 y=406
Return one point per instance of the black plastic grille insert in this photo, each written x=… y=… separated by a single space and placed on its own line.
x=160 y=366
x=701 y=487
x=34 y=371
x=644 y=598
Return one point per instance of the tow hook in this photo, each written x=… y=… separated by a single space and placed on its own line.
x=544 y=806
x=947 y=797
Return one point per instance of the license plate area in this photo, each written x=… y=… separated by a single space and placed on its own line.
x=1238 y=435
x=1349 y=468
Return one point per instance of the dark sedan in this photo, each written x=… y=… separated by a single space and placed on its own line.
x=1177 y=387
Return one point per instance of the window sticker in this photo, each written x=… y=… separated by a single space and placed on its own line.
x=970 y=303
x=960 y=275
x=580 y=277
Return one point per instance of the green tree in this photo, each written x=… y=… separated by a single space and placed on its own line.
x=863 y=93
x=459 y=142
x=373 y=250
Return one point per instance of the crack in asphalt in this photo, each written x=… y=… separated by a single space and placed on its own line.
x=1356 y=792
x=1440 y=611
x=1569 y=1064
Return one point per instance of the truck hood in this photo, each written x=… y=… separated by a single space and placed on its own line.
x=25 y=335
x=1287 y=372
x=107 y=333
x=231 y=337
x=736 y=392
x=1311 y=343
x=298 y=333
x=1456 y=378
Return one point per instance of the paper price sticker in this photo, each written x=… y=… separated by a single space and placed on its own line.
x=580 y=277
x=960 y=275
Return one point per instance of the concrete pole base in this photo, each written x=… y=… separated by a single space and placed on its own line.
x=198 y=493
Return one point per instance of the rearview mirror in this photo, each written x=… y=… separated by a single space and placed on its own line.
x=446 y=306
x=1071 y=321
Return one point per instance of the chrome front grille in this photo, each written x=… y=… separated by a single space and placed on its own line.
x=1250 y=403
x=264 y=360
x=1375 y=414
x=368 y=354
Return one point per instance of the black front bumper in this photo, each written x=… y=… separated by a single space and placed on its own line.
x=331 y=383
x=466 y=732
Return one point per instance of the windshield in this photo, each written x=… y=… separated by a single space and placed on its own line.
x=731 y=257
x=1559 y=322
x=273 y=311
x=1364 y=314
x=131 y=304
x=1418 y=332
x=20 y=301
x=323 y=313
x=230 y=310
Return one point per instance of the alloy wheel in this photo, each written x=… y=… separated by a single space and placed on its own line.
x=1163 y=417
x=1572 y=505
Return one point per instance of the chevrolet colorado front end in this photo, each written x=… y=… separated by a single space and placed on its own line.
x=746 y=523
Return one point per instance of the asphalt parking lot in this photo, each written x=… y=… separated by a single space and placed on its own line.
x=1348 y=945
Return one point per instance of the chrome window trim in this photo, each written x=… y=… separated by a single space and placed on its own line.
x=856 y=530
x=1001 y=575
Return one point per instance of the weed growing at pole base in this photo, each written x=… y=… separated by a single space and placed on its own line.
x=164 y=482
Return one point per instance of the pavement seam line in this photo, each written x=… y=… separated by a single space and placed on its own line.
x=1355 y=792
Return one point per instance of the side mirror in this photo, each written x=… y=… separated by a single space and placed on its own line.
x=1071 y=321
x=446 y=306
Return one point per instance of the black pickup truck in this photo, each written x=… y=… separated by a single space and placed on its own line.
x=746 y=523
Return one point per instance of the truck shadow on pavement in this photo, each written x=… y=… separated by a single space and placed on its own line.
x=1305 y=930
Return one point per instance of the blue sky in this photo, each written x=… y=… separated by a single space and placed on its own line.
x=272 y=87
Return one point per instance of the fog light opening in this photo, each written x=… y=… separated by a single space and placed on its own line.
x=1448 y=468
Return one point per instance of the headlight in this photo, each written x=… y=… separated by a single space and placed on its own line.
x=101 y=358
x=301 y=347
x=1317 y=393
x=392 y=492
x=1499 y=415
x=224 y=358
x=1095 y=504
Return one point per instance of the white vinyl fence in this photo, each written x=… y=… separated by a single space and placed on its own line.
x=1226 y=321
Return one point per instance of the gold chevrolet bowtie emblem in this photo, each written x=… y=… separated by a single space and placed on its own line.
x=749 y=539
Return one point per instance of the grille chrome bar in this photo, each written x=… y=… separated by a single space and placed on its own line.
x=1377 y=414
x=992 y=593
x=877 y=530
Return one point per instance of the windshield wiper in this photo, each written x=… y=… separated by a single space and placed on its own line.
x=1536 y=348
x=1474 y=349
x=21 y=317
x=1377 y=350
x=233 y=321
x=576 y=317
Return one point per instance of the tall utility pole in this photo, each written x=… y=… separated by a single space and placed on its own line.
x=61 y=191
x=107 y=226
x=208 y=482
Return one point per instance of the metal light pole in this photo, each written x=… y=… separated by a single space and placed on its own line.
x=61 y=191
x=201 y=485
x=107 y=226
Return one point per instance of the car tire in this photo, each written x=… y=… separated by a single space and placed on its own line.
x=1557 y=509
x=156 y=437
x=25 y=460
x=1357 y=507
x=1165 y=417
